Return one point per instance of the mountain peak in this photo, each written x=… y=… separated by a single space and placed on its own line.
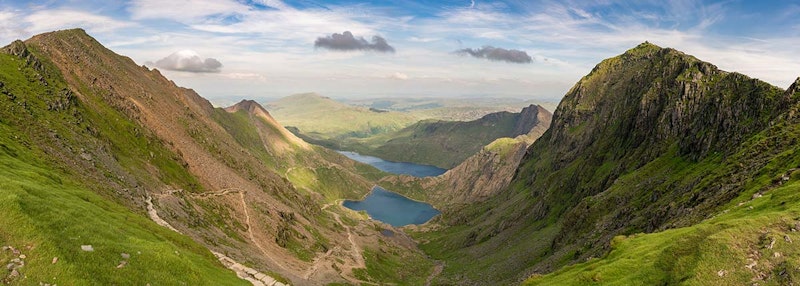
x=247 y=104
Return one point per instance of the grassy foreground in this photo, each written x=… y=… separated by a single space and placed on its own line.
x=749 y=242
x=47 y=218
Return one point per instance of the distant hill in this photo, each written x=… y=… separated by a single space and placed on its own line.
x=449 y=109
x=399 y=135
x=322 y=118
x=448 y=143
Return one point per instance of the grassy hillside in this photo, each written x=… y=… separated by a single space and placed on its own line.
x=650 y=140
x=48 y=209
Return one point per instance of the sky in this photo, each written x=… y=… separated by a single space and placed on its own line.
x=258 y=49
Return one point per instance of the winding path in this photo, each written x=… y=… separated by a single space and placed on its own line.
x=355 y=251
x=251 y=275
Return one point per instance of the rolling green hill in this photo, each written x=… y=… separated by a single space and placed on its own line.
x=654 y=145
x=322 y=118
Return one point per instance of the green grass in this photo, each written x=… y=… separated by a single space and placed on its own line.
x=695 y=255
x=47 y=215
x=389 y=265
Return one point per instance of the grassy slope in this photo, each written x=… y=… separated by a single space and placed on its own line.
x=46 y=213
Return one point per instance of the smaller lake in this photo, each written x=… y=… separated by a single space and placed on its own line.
x=392 y=208
x=402 y=168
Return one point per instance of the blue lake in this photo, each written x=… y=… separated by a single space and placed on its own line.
x=392 y=208
x=402 y=168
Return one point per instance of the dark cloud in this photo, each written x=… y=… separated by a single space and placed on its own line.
x=188 y=61
x=347 y=42
x=498 y=54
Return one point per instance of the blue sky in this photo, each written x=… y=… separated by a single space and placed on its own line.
x=267 y=47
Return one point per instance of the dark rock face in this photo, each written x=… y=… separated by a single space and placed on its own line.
x=528 y=118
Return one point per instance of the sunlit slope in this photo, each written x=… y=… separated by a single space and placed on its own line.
x=49 y=208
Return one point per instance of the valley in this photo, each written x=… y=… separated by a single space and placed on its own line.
x=655 y=168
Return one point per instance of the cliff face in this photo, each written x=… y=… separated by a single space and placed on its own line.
x=630 y=149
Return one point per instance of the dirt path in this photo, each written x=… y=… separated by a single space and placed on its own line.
x=355 y=252
x=151 y=211
x=250 y=233
x=251 y=275
x=436 y=271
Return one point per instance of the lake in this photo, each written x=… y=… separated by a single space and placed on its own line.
x=393 y=208
x=402 y=168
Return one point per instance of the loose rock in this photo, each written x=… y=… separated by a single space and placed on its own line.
x=125 y=256
x=55 y=259
x=787 y=238
x=722 y=273
x=87 y=248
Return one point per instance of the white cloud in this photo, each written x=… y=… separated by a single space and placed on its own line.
x=398 y=76
x=188 y=61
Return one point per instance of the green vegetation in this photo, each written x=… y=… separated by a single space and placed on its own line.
x=48 y=217
x=47 y=214
x=389 y=264
x=742 y=244
x=440 y=143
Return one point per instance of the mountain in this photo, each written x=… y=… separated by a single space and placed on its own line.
x=648 y=141
x=101 y=154
x=480 y=176
x=447 y=143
